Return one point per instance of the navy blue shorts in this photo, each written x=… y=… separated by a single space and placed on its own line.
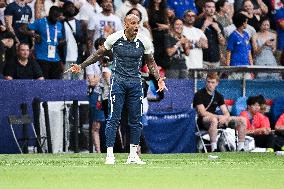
x=97 y=114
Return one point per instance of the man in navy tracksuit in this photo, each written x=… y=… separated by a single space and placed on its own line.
x=128 y=47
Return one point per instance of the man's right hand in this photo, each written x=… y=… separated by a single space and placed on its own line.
x=75 y=68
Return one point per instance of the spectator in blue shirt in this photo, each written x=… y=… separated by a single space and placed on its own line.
x=180 y=6
x=238 y=46
x=278 y=16
x=48 y=35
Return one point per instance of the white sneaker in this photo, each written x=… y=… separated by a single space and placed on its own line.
x=135 y=160
x=110 y=160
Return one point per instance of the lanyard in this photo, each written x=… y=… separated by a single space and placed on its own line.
x=48 y=32
x=212 y=98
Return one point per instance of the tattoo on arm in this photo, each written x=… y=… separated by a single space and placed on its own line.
x=93 y=58
x=152 y=66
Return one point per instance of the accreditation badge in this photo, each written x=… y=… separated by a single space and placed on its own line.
x=51 y=51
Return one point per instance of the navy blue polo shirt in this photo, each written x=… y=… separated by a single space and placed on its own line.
x=127 y=55
x=21 y=15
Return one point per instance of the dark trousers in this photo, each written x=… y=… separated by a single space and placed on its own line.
x=130 y=93
x=51 y=70
x=264 y=141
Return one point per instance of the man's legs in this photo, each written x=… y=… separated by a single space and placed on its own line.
x=212 y=124
x=116 y=101
x=135 y=110
x=97 y=116
x=241 y=128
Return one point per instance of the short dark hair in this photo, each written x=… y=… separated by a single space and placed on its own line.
x=260 y=99
x=7 y=35
x=55 y=10
x=209 y=1
x=252 y=100
x=213 y=75
x=99 y=41
x=220 y=4
x=23 y=44
x=239 y=19
x=130 y=12
x=264 y=18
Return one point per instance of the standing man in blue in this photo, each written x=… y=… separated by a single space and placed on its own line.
x=128 y=48
x=47 y=32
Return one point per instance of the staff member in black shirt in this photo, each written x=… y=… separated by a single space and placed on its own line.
x=207 y=102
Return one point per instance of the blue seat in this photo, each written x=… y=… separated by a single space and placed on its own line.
x=239 y=106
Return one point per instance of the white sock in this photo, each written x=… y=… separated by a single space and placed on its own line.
x=110 y=152
x=133 y=150
x=241 y=145
x=213 y=146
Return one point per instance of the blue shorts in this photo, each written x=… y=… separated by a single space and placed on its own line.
x=96 y=114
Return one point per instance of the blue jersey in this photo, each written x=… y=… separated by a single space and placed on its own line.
x=239 y=46
x=43 y=28
x=127 y=55
x=180 y=6
x=21 y=15
x=278 y=16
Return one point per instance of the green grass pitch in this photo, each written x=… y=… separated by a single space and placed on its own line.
x=167 y=171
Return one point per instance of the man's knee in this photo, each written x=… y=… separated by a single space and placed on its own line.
x=213 y=122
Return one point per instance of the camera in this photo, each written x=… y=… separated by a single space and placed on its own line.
x=105 y=61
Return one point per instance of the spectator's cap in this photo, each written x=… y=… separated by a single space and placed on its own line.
x=67 y=4
x=7 y=35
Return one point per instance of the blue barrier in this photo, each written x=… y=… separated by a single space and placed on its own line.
x=13 y=93
x=171 y=132
x=177 y=101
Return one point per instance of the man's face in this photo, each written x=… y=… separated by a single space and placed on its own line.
x=190 y=18
x=253 y=109
x=209 y=9
x=211 y=84
x=24 y=51
x=132 y=25
x=54 y=16
x=107 y=5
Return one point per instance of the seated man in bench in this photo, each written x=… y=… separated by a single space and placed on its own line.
x=258 y=125
x=206 y=101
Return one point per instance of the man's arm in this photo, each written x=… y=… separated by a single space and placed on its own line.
x=224 y=110
x=153 y=69
x=94 y=57
x=203 y=112
x=8 y=22
x=152 y=66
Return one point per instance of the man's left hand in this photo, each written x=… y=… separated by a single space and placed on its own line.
x=161 y=84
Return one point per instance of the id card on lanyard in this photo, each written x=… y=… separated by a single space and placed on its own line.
x=51 y=48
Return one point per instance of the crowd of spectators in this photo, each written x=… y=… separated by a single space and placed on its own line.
x=186 y=34
x=42 y=38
